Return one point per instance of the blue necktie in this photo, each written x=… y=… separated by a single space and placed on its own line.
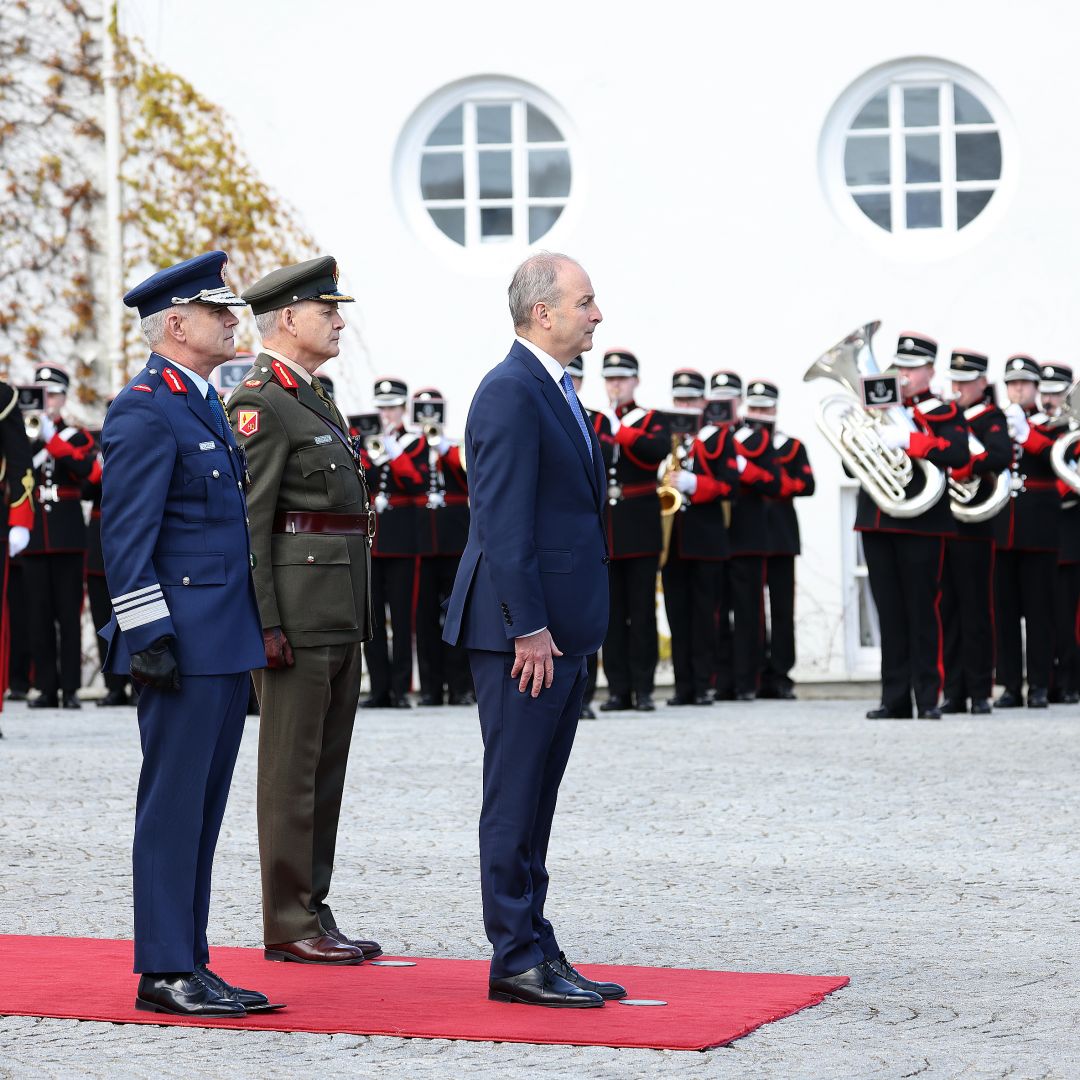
x=214 y=402
x=575 y=407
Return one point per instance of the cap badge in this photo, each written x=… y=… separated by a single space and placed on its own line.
x=1017 y=364
x=335 y=274
x=721 y=380
x=224 y=267
x=908 y=343
x=1048 y=372
x=46 y=373
x=384 y=387
x=758 y=388
x=684 y=379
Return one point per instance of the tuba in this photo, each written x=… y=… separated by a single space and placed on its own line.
x=1069 y=418
x=855 y=432
x=964 y=499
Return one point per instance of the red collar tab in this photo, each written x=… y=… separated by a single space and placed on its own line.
x=284 y=375
x=176 y=384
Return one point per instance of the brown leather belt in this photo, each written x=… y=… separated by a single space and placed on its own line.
x=300 y=521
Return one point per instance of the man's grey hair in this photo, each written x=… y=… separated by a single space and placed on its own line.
x=267 y=322
x=535 y=282
x=153 y=327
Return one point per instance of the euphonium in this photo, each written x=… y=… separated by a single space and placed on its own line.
x=964 y=502
x=855 y=432
x=1068 y=417
x=671 y=498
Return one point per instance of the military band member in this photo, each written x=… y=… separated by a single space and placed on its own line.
x=1065 y=675
x=310 y=525
x=784 y=543
x=634 y=441
x=396 y=482
x=53 y=561
x=759 y=479
x=16 y=502
x=185 y=621
x=443 y=521
x=707 y=477
x=1027 y=537
x=904 y=556
x=967 y=583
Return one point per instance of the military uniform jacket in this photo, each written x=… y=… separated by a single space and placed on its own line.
x=60 y=467
x=941 y=437
x=631 y=458
x=796 y=481
x=699 y=530
x=443 y=513
x=174 y=530
x=16 y=462
x=1032 y=519
x=315 y=586
x=987 y=424
x=396 y=485
x=760 y=478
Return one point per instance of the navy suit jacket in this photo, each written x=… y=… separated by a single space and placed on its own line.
x=537 y=551
x=174 y=530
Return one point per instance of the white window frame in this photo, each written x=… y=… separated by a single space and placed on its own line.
x=916 y=244
x=469 y=93
x=859 y=659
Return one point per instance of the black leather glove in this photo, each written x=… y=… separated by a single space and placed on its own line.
x=156 y=666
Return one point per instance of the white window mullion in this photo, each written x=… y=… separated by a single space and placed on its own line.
x=948 y=158
x=519 y=168
x=897 y=172
x=472 y=175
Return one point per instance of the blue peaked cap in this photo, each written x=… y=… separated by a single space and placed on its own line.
x=196 y=281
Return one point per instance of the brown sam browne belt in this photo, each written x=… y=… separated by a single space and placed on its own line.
x=299 y=521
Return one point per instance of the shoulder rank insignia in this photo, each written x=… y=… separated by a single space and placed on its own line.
x=284 y=375
x=247 y=421
x=143 y=387
x=253 y=383
x=176 y=384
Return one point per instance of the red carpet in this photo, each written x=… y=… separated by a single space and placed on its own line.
x=437 y=999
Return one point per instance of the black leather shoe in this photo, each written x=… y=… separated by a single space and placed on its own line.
x=644 y=703
x=616 y=704
x=724 y=695
x=370 y=949
x=427 y=700
x=1071 y=698
x=703 y=699
x=465 y=698
x=400 y=703
x=930 y=714
x=17 y=695
x=1010 y=699
x=882 y=713
x=114 y=697
x=980 y=707
x=680 y=699
x=786 y=693
x=587 y=713
x=608 y=991
x=541 y=985
x=44 y=702
x=745 y=695
x=1037 y=698
x=950 y=706
x=71 y=702
x=184 y=994
x=252 y=1000
x=382 y=702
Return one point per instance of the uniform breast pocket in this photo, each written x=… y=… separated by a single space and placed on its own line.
x=327 y=471
x=210 y=492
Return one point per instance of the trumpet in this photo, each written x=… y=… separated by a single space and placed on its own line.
x=375 y=446
x=432 y=433
x=671 y=498
x=32 y=423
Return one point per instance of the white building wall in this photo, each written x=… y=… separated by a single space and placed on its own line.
x=697 y=206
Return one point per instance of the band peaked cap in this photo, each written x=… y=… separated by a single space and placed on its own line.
x=315 y=279
x=195 y=281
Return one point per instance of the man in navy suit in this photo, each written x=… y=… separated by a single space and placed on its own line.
x=530 y=603
x=185 y=622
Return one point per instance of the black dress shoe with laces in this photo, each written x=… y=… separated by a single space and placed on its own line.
x=980 y=707
x=114 y=697
x=745 y=695
x=466 y=697
x=370 y=949
x=44 y=702
x=184 y=994
x=1010 y=699
x=681 y=699
x=1037 y=697
x=883 y=713
x=609 y=991
x=951 y=706
x=933 y=713
x=615 y=703
x=703 y=699
x=381 y=702
x=401 y=703
x=1071 y=697
x=587 y=713
x=71 y=701
x=644 y=703
x=429 y=700
x=252 y=1000
x=542 y=985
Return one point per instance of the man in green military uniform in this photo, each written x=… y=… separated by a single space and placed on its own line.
x=311 y=553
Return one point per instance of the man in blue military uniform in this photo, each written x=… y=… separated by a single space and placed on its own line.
x=185 y=621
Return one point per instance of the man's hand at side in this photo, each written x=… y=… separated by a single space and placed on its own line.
x=278 y=650
x=533 y=661
x=156 y=666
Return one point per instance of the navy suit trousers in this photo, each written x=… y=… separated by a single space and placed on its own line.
x=527 y=742
x=190 y=739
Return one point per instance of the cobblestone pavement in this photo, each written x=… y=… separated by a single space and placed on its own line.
x=934 y=864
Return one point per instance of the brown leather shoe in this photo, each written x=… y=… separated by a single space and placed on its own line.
x=370 y=949
x=319 y=950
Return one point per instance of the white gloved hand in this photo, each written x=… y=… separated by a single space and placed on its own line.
x=740 y=461
x=895 y=438
x=18 y=538
x=48 y=428
x=614 y=422
x=393 y=447
x=1016 y=418
x=444 y=446
x=685 y=481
